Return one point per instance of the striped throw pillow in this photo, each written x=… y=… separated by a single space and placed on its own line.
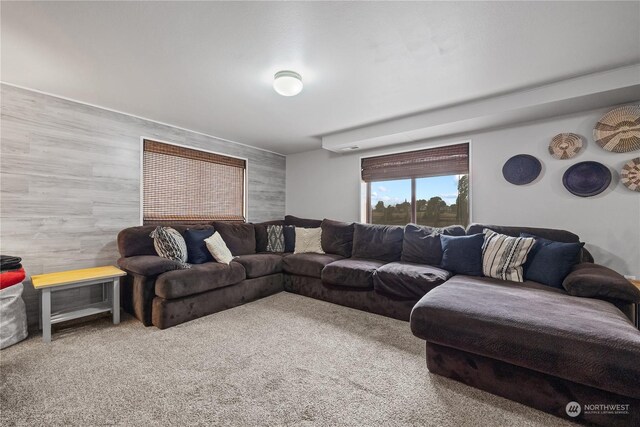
x=170 y=244
x=503 y=256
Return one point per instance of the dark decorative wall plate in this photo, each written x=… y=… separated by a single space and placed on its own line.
x=586 y=179
x=521 y=169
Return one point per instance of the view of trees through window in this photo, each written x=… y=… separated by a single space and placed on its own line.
x=439 y=201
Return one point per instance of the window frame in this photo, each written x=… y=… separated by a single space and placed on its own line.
x=365 y=187
x=245 y=187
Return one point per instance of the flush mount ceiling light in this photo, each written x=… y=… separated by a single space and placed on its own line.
x=287 y=83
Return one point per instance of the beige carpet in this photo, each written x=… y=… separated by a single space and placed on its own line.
x=283 y=360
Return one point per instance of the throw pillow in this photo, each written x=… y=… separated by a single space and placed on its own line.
x=275 y=238
x=289 y=232
x=218 y=248
x=550 y=262
x=308 y=240
x=462 y=254
x=197 y=252
x=503 y=256
x=170 y=244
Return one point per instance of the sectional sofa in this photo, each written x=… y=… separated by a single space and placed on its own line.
x=528 y=342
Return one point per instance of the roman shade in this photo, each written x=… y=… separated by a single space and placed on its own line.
x=186 y=185
x=447 y=160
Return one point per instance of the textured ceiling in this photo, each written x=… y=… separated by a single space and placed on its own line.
x=208 y=66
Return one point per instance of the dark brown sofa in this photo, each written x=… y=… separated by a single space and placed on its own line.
x=528 y=342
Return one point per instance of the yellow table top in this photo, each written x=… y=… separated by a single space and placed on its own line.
x=73 y=276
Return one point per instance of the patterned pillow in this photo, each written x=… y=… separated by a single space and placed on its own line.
x=218 y=248
x=170 y=244
x=503 y=256
x=275 y=238
x=308 y=240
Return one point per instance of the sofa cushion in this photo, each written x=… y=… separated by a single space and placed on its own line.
x=302 y=222
x=258 y=265
x=147 y=265
x=337 y=237
x=199 y=278
x=197 y=252
x=462 y=254
x=421 y=243
x=404 y=280
x=584 y=340
x=307 y=264
x=597 y=281
x=261 y=234
x=351 y=273
x=381 y=242
x=239 y=237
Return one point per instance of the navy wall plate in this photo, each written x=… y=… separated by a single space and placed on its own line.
x=586 y=179
x=521 y=169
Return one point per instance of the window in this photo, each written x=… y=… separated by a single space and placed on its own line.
x=427 y=187
x=186 y=185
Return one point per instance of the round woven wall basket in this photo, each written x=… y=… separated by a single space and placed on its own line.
x=630 y=174
x=565 y=146
x=618 y=131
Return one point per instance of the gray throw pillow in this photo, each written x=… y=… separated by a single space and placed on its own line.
x=275 y=238
x=170 y=244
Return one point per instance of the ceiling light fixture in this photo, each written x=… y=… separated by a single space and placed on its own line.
x=287 y=83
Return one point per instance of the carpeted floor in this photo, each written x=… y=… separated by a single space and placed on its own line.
x=283 y=360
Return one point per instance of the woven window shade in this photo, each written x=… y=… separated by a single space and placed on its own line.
x=186 y=185
x=448 y=160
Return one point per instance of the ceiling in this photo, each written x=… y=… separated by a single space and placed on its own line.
x=208 y=66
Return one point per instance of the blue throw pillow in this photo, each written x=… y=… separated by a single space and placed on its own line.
x=550 y=262
x=289 y=232
x=462 y=254
x=197 y=252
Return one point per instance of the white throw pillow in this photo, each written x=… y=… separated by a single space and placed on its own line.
x=308 y=240
x=503 y=256
x=218 y=248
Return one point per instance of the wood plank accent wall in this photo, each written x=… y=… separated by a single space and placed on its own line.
x=70 y=181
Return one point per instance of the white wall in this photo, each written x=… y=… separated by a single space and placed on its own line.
x=323 y=184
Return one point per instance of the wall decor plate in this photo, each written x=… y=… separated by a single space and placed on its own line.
x=565 y=146
x=619 y=130
x=586 y=179
x=521 y=169
x=630 y=174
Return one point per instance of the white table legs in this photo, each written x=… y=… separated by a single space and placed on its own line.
x=46 y=315
x=115 y=300
x=109 y=304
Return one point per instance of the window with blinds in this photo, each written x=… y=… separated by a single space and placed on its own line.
x=182 y=184
x=427 y=187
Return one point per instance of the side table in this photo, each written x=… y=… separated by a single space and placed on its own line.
x=54 y=282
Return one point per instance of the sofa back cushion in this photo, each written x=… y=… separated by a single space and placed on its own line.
x=302 y=222
x=239 y=237
x=134 y=241
x=381 y=242
x=546 y=233
x=421 y=243
x=337 y=237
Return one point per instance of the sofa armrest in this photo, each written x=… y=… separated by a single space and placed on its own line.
x=598 y=281
x=147 y=265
